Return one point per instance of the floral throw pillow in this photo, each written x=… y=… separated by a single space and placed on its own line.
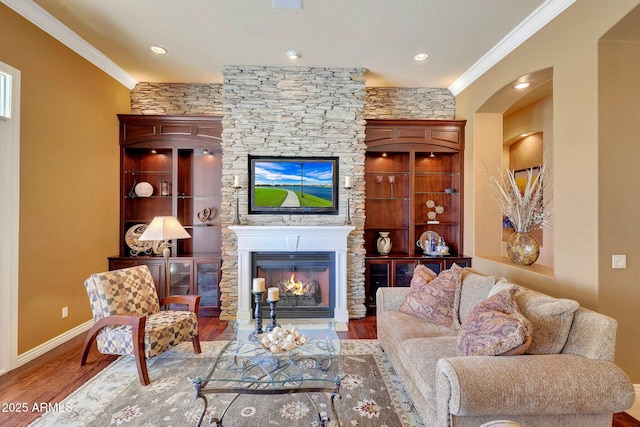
x=433 y=299
x=495 y=327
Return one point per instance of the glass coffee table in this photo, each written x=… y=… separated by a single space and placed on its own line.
x=246 y=366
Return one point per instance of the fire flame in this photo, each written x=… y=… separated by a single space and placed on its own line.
x=294 y=286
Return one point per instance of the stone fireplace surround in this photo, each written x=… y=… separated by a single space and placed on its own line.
x=290 y=238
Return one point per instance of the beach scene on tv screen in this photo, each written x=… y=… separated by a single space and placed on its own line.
x=292 y=184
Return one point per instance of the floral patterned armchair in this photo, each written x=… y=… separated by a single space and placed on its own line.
x=128 y=319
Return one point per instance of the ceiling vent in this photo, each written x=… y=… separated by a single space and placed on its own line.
x=286 y=4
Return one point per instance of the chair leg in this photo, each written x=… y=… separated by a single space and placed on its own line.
x=138 y=351
x=196 y=344
x=88 y=341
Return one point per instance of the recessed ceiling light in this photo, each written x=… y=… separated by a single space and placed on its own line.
x=158 y=49
x=521 y=85
x=421 y=56
x=293 y=54
x=524 y=134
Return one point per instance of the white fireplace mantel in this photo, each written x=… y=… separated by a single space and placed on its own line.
x=289 y=238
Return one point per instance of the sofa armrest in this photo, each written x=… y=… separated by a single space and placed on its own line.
x=530 y=385
x=390 y=299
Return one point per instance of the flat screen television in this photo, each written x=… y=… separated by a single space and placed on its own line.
x=293 y=185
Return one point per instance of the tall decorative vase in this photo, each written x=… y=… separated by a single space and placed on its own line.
x=522 y=248
x=383 y=243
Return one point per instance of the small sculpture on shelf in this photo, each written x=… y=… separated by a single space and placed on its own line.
x=206 y=214
x=431 y=215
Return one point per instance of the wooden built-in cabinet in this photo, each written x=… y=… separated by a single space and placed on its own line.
x=180 y=158
x=407 y=164
x=187 y=276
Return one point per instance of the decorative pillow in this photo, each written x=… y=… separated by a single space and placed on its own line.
x=550 y=318
x=475 y=288
x=495 y=327
x=434 y=300
x=421 y=276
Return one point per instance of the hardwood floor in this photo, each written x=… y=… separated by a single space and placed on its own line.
x=53 y=376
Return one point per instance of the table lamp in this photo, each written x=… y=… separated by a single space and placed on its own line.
x=165 y=228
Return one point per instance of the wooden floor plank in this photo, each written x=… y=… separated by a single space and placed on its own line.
x=53 y=376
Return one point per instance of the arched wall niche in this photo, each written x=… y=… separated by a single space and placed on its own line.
x=513 y=130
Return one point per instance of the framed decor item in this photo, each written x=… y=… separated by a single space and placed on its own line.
x=293 y=185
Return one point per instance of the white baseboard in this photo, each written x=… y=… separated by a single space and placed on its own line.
x=28 y=356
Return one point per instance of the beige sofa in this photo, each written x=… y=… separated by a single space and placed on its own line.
x=579 y=386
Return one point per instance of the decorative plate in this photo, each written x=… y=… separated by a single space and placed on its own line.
x=425 y=237
x=131 y=239
x=143 y=189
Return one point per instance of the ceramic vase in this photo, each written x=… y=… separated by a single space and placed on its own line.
x=383 y=243
x=522 y=248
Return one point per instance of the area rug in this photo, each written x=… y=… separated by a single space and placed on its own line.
x=371 y=395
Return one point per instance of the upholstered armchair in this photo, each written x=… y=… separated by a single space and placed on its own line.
x=128 y=319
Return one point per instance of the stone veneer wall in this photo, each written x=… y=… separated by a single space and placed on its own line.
x=380 y=102
x=293 y=111
x=409 y=103
x=177 y=99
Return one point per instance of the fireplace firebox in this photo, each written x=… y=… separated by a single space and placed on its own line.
x=305 y=281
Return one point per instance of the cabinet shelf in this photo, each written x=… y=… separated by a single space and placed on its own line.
x=427 y=174
x=147 y=198
x=401 y=199
x=150 y=172
x=437 y=192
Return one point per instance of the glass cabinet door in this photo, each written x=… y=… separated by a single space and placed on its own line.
x=404 y=272
x=377 y=277
x=207 y=283
x=180 y=278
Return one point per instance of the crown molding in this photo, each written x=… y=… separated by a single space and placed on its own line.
x=46 y=22
x=540 y=17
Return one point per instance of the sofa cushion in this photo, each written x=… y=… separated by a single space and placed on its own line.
x=434 y=300
x=475 y=288
x=550 y=317
x=402 y=326
x=495 y=327
x=420 y=357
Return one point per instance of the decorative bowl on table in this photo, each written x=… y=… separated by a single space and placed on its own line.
x=282 y=339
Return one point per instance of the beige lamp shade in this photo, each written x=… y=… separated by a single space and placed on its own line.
x=164 y=228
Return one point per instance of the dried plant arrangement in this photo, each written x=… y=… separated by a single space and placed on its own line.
x=523 y=201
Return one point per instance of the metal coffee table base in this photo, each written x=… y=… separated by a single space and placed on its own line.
x=217 y=422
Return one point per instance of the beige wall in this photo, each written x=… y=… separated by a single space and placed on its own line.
x=569 y=45
x=619 y=184
x=69 y=177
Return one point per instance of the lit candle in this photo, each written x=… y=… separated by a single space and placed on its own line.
x=236 y=181
x=258 y=284
x=273 y=294
x=347 y=182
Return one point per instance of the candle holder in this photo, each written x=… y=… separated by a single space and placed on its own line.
x=379 y=182
x=236 y=216
x=257 y=298
x=348 y=219
x=272 y=315
x=392 y=180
